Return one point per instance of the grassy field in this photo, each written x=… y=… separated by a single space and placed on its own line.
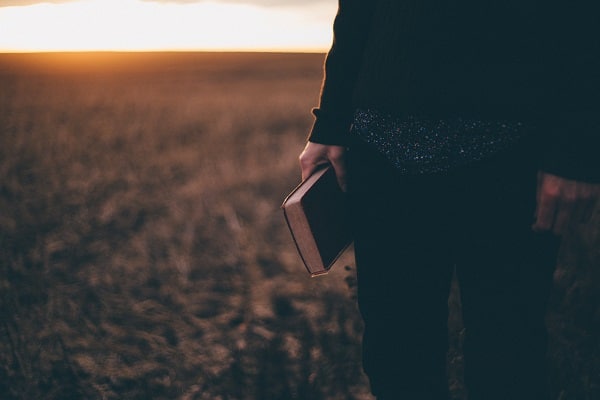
x=143 y=254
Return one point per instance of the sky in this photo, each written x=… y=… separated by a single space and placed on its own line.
x=155 y=25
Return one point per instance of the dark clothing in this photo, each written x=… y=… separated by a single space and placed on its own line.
x=410 y=234
x=531 y=61
x=524 y=61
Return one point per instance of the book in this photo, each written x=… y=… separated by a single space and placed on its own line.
x=316 y=215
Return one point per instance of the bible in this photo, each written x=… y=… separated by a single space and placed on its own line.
x=316 y=215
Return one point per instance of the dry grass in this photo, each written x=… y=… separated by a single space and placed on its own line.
x=143 y=253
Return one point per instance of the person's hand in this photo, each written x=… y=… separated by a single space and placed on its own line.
x=315 y=154
x=562 y=203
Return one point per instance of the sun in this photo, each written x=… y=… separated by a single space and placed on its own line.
x=143 y=25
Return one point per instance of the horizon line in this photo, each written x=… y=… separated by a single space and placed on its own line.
x=199 y=50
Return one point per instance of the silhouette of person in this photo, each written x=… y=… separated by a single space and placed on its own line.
x=463 y=133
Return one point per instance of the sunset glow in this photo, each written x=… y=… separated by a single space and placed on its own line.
x=123 y=25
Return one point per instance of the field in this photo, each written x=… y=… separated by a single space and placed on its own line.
x=143 y=254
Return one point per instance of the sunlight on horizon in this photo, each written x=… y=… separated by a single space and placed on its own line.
x=134 y=25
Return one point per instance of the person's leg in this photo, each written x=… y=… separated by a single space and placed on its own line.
x=505 y=274
x=403 y=279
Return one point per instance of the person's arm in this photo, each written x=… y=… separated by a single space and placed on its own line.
x=342 y=66
x=333 y=117
x=569 y=177
x=569 y=180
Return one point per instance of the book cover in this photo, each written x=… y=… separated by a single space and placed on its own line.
x=316 y=214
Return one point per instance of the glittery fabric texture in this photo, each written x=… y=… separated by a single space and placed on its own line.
x=427 y=146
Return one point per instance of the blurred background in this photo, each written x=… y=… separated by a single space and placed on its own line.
x=143 y=254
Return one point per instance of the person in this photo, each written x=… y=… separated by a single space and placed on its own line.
x=463 y=133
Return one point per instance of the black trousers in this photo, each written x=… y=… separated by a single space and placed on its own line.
x=411 y=234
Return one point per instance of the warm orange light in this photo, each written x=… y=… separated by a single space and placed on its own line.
x=142 y=25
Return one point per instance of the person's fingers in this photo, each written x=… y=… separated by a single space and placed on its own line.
x=569 y=209
x=338 y=161
x=547 y=206
x=340 y=173
x=316 y=155
x=311 y=158
x=563 y=218
x=309 y=169
x=563 y=203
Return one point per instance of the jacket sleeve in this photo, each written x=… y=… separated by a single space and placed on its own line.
x=570 y=146
x=570 y=138
x=351 y=27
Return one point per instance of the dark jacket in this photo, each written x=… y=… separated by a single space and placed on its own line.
x=523 y=60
